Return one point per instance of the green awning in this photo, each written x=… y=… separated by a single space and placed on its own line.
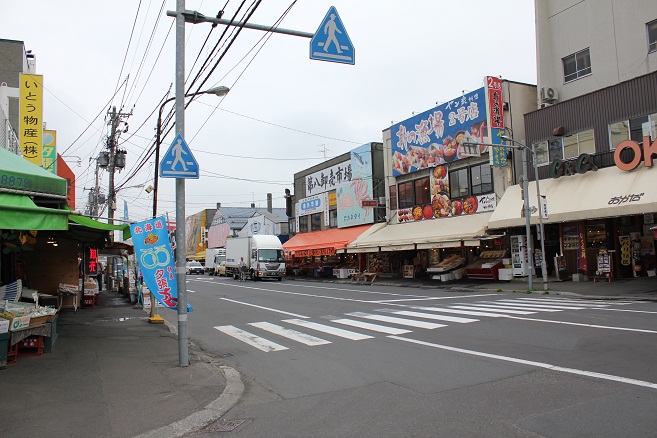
x=91 y=223
x=19 y=212
x=16 y=173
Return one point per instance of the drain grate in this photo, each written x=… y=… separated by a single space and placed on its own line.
x=225 y=425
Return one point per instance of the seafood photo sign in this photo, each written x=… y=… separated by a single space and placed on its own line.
x=435 y=136
x=351 y=194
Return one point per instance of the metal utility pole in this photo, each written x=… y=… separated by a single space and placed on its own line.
x=115 y=119
x=181 y=247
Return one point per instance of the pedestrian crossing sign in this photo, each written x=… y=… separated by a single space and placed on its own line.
x=331 y=42
x=179 y=162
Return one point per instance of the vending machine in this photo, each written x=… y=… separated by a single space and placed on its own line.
x=519 y=256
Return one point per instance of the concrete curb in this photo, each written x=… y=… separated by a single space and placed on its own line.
x=210 y=413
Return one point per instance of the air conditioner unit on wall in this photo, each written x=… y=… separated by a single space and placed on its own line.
x=549 y=94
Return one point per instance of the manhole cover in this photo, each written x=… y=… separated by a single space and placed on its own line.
x=225 y=425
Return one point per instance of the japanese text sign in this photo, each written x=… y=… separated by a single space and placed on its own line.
x=155 y=258
x=351 y=194
x=31 y=118
x=328 y=179
x=90 y=260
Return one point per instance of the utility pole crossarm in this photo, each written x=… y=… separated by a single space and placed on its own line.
x=196 y=17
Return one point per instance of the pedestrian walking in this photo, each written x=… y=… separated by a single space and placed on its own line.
x=242 y=266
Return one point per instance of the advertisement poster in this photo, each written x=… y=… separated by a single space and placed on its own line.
x=351 y=194
x=436 y=136
x=155 y=258
x=441 y=203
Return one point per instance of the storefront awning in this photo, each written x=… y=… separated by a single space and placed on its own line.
x=95 y=227
x=27 y=178
x=19 y=212
x=608 y=192
x=435 y=233
x=326 y=242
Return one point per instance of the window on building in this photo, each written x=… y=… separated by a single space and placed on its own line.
x=542 y=155
x=422 y=194
x=652 y=35
x=291 y=224
x=481 y=179
x=315 y=221
x=303 y=224
x=458 y=183
x=406 y=194
x=572 y=146
x=333 y=218
x=577 y=65
x=633 y=129
x=393 y=197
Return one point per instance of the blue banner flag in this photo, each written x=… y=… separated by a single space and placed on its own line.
x=155 y=258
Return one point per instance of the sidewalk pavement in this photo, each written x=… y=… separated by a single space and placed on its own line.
x=112 y=374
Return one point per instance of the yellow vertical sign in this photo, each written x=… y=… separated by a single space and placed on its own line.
x=31 y=118
x=50 y=150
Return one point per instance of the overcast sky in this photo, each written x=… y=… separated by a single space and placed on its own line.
x=285 y=112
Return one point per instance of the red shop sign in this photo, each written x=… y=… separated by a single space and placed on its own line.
x=649 y=149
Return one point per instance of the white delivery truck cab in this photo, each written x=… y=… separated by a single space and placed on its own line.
x=263 y=255
x=213 y=257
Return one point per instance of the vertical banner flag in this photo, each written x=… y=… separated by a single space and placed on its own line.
x=50 y=150
x=496 y=111
x=31 y=118
x=125 y=210
x=155 y=258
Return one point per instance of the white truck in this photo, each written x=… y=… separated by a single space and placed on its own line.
x=263 y=255
x=213 y=258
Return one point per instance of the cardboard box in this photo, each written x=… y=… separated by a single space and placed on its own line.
x=17 y=323
x=4 y=325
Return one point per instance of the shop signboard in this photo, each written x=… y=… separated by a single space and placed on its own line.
x=649 y=150
x=328 y=179
x=436 y=136
x=311 y=205
x=90 y=260
x=30 y=134
x=155 y=257
x=352 y=193
x=50 y=150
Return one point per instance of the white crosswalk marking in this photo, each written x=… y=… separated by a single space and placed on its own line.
x=479 y=312
x=328 y=329
x=394 y=320
x=370 y=326
x=497 y=309
x=289 y=333
x=563 y=302
x=518 y=307
x=434 y=316
x=251 y=339
x=535 y=304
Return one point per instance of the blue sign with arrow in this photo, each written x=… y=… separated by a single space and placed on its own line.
x=331 y=42
x=179 y=162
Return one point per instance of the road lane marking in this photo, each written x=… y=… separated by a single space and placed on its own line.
x=496 y=309
x=251 y=339
x=290 y=334
x=563 y=302
x=579 y=324
x=460 y=312
x=266 y=308
x=627 y=310
x=370 y=326
x=434 y=316
x=527 y=307
x=536 y=304
x=532 y=363
x=328 y=329
x=431 y=298
x=394 y=320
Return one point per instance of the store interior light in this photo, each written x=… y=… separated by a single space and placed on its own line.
x=54 y=242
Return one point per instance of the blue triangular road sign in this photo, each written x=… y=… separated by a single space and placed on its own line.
x=331 y=42
x=179 y=162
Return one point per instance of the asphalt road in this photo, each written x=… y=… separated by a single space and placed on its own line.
x=341 y=360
